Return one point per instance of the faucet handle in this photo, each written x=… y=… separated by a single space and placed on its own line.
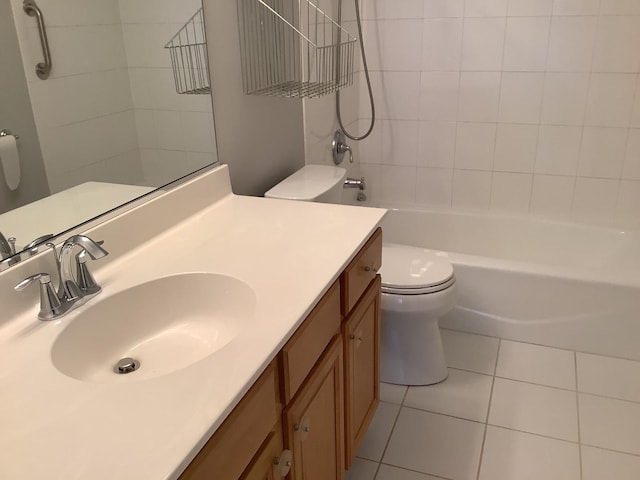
x=84 y=279
x=50 y=305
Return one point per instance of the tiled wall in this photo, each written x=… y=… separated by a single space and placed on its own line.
x=86 y=102
x=320 y=113
x=515 y=106
x=175 y=132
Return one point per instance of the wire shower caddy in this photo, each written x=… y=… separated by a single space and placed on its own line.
x=188 y=52
x=291 y=48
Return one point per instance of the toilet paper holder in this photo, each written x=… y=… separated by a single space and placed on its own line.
x=5 y=133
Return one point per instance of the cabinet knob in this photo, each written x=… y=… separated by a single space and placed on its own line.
x=355 y=337
x=370 y=268
x=282 y=464
x=304 y=428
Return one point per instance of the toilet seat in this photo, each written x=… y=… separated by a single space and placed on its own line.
x=414 y=271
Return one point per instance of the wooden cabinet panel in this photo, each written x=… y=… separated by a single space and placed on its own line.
x=314 y=424
x=270 y=461
x=361 y=271
x=228 y=452
x=303 y=350
x=361 y=332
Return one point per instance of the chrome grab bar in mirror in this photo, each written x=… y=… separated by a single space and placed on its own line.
x=43 y=69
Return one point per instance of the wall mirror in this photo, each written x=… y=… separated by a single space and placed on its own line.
x=125 y=109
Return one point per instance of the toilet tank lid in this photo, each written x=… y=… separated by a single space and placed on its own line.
x=412 y=267
x=308 y=183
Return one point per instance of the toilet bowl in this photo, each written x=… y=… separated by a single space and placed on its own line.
x=418 y=287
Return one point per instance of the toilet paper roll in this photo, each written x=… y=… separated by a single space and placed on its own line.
x=10 y=161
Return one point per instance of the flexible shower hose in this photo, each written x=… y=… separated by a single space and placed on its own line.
x=366 y=74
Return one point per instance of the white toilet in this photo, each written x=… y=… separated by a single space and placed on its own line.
x=418 y=287
x=312 y=183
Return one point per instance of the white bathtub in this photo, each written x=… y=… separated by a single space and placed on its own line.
x=558 y=284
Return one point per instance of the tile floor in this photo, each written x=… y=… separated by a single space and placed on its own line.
x=509 y=411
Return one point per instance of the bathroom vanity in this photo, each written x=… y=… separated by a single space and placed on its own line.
x=293 y=284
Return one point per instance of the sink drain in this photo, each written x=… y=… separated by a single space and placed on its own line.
x=126 y=365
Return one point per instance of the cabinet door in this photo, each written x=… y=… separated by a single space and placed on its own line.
x=314 y=423
x=361 y=334
x=271 y=462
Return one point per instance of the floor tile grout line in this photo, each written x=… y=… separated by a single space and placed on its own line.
x=542 y=345
x=575 y=372
x=486 y=418
x=415 y=471
x=395 y=421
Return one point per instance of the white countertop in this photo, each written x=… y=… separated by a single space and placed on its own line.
x=55 y=427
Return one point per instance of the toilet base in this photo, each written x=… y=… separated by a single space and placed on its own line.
x=411 y=356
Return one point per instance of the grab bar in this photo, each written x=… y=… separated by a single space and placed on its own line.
x=43 y=69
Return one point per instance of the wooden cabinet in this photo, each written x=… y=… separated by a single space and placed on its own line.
x=326 y=380
x=314 y=424
x=228 y=452
x=361 y=332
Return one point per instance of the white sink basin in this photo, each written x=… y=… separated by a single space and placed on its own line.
x=165 y=325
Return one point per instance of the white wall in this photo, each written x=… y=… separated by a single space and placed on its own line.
x=84 y=111
x=260 y=138
x=516 y=106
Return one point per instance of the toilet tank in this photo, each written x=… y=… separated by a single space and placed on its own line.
x=312 y=183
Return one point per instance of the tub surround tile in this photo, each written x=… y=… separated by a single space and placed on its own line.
x=399 y=142
x=564 y=98
x=613 y=51
x=595 y=199
x=534 y=409
x=631 y=168
x=511 y=192
x=598 y=464
x=611 y=424
x=609 y=377
x=401 y=45
x=602 y=152
x=536 y=364
x=471 y=189
x=434 y=186
x=483 y=44
x=422 y=441
x=526 y=43
x=552 y=196
x=475 y=143
x=628 y=208
x=571 y=43
x=439 y=96
x=576 y=7
x=375 y=440
x=530 y=8
x=479 y=96
x=520 y=97
x=436 y=144
x=485 y=8
x=443 y=8
x=463 y=394
x=610 y=99
x=510 y=455
x=441 y=44
x=466 y=351
x=558 y=150
x=515 y=148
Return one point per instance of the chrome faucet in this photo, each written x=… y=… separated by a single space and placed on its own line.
x=68 y=285
x=71 y=292
x=8 y=249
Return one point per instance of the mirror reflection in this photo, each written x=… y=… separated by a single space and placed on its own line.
x=125 y=108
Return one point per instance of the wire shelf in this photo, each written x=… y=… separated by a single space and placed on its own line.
x=188 y=52
x=291 y=48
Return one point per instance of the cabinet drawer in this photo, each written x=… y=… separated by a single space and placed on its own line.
x=228 y=452
x=302 y=351
x=358 y=275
